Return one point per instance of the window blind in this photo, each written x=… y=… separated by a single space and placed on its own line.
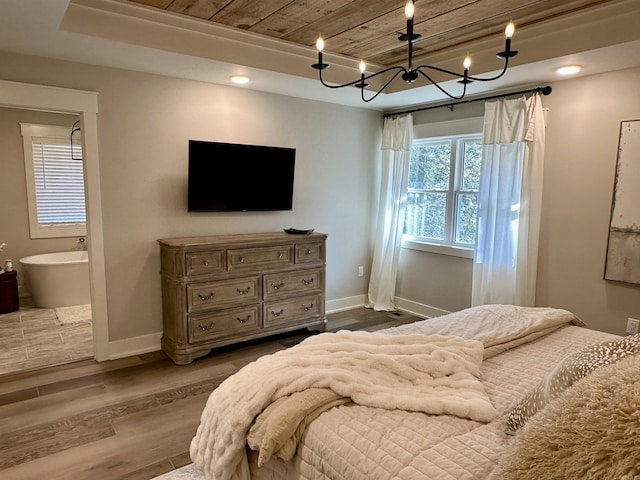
x=59 y=181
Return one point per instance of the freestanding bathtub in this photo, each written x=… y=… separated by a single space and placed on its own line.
x=57 y=279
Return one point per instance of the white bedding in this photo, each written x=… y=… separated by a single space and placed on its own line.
x=498 y=327
x=365 y=442
x=359 y=443
x=414 y=372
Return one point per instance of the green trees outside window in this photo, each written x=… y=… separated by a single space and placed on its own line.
x=444 y=175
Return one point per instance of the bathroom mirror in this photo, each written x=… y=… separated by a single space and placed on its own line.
x=623 y=249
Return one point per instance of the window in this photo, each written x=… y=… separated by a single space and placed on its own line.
x=444 y=175
x=55 y=181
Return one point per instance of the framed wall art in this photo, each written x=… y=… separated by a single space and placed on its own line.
x=623 y=248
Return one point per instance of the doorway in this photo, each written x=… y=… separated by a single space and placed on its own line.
x=84 y=105
x=42 y=207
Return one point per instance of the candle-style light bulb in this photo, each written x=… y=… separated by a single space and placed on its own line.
x=409 y=10
x=362 y=66
x=467 y=62
x=509 y=30
x=320 y=65
x=508 y=53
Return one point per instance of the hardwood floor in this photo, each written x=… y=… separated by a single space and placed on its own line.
x=127 y=419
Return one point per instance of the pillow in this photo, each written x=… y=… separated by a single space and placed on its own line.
x=590 y=432
x=568 y=371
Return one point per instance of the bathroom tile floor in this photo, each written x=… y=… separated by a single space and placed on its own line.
x=30 y=338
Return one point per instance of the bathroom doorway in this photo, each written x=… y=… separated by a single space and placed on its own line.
x=52 y=326
x=50 y=336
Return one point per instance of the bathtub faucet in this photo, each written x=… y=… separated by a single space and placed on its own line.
x=81 y=244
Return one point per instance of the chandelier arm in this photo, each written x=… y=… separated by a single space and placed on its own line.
x=433 y=82
x=461 y=75
x=438 y=69
x=401 y=70
x=504 y=69
x=368 y=77
x=334 y=86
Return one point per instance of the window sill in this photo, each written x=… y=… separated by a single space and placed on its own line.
x=38 y=231
x=439 y=249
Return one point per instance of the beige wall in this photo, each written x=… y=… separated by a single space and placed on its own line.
x=145 y=122
x=580 y=157
x=581 y=149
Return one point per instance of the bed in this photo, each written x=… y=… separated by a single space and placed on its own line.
x=492 y=374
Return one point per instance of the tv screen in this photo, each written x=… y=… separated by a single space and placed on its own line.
x=227 y=177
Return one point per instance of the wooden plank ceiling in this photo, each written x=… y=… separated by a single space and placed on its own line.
x=369 y=29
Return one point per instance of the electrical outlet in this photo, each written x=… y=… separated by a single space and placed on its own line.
x=633 y=326
x=361 y=271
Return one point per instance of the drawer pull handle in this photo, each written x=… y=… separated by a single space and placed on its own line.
x=244 y=320
x=277 y=314
x=205 y=328
x=307 y=282
x=308 y=252
x=280 y=254
x=204 y=298
x=205 y=262
x=277 y=287
x=245 y=291
x=241 y=259
x=306 y=309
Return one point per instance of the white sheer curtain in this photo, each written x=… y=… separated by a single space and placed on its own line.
x=397 y=137
x=509 y=203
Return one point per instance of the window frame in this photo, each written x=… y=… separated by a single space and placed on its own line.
x=37 y=229
x=458 y=132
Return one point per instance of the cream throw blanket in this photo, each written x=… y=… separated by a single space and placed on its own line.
x=433 y=374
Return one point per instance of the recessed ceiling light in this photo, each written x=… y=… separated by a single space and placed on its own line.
x=568 y=70
x=240 y=79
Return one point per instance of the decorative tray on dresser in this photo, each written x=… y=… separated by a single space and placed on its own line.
x=223 y=289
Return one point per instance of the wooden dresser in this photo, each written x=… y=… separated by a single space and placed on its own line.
x=223 y=289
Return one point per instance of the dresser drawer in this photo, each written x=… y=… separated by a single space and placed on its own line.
x=208 y=295
x=309 y=253
x=287 y=311
x=203 y=263
x=279 y=284
x=259 y=257
x=225 y=323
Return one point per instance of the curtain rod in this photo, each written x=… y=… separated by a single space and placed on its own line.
x=544 y=90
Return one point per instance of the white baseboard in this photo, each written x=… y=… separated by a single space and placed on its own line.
x=134 y=346
x=418 y=309
x=409 y=306
x=348 y=303
x=151 y=342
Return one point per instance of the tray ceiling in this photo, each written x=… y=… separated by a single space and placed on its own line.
x=272 y=41
x=369 y=29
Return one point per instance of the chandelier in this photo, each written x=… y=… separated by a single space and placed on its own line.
x=410 y=73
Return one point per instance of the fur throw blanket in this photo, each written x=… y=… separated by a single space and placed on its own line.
x=433 y=374
x=590 y=432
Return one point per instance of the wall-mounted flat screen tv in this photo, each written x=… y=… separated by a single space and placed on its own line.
x=228 y=177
